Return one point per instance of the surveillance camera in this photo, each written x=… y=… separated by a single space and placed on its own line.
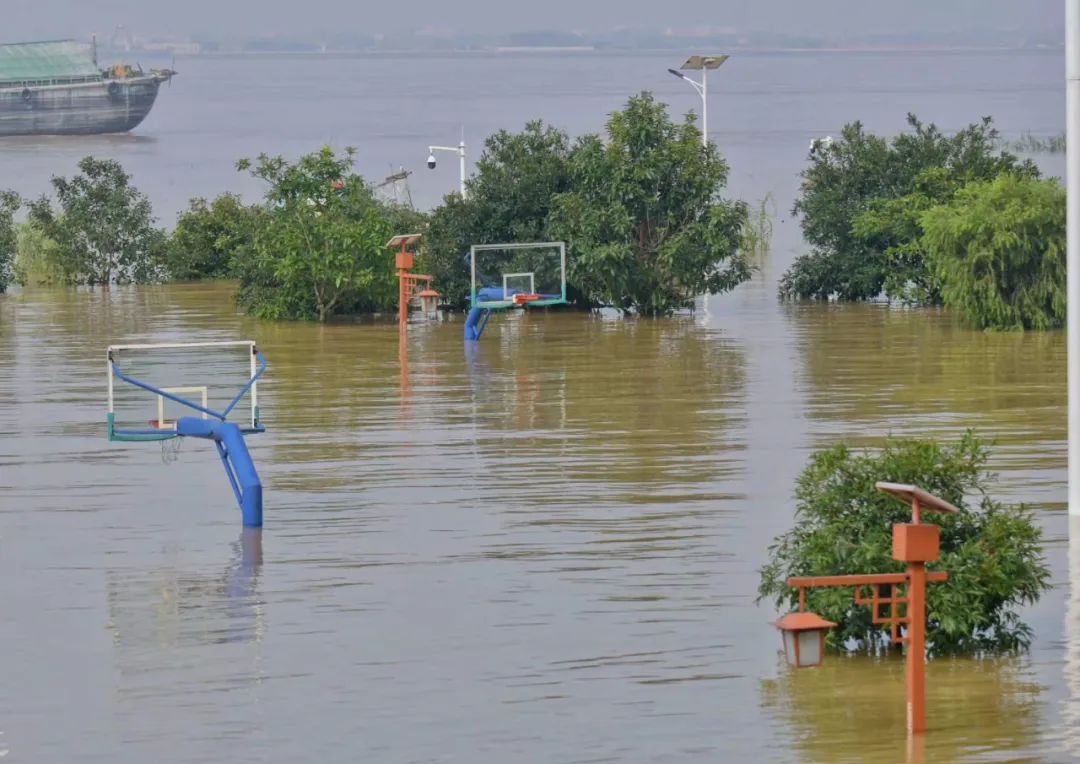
x=431 y=161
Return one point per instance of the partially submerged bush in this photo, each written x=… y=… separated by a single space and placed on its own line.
x=991 y=551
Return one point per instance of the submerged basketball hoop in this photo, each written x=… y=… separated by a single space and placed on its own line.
x=530 y=274
x=210 y=424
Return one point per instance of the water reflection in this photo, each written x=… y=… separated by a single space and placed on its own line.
x=853 y=710
x=173 y=607
x=479 y=543
x=880 y=366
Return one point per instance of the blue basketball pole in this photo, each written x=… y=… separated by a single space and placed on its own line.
x=228 y=437
x=239 y=467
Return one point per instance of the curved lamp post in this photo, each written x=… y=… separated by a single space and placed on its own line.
x=704 y=64
x=915 y=543
x=459 y=150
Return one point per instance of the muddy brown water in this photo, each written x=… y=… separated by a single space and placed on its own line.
x=545 y=548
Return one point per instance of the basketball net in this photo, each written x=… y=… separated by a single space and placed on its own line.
x=170 y=450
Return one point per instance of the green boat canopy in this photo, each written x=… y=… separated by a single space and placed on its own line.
x=42 y=62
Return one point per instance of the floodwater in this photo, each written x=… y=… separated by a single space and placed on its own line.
x=543 y=548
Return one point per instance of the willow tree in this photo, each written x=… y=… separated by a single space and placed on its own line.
x=644 y=220
x=998 y=250
x=991 y=551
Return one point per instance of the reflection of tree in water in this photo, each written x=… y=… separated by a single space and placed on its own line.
x=872 y=364
x=169 y=607
x=853 y=710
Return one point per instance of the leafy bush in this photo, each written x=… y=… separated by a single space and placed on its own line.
x=860 y=203
x=999 y=252
x=643 y=219
x=207 y=235
x=843 y=525
x=104 y=228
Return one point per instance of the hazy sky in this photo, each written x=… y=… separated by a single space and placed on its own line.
x=37 y=19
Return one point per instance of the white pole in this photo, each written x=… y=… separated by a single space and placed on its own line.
x=254 y=388
x=461 y=155
x=705 y=106
x=1072 y=184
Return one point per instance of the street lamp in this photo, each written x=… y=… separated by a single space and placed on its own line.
x=915 y=543
x=804 y=638
x=459 y=150
x=704 y=64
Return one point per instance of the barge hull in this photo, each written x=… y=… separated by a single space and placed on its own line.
x=108 y=106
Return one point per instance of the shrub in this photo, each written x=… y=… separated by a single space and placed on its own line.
x=843 y=525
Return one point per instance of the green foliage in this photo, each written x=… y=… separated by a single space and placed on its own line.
x=320 y=248
x=37 y=258
x=991 y=551
x=999 y=250
x=643 y=219
x=860 y=203
x=509 y=199
x=894 y=227
x=207 y=235
x=104 y=227
x=9 y=205
x=758 y=231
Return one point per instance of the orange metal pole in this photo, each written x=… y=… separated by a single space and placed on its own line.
x=403 y=308
x=865 y=579
x=916 y=648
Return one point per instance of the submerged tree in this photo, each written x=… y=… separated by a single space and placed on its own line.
x=320 y=248
x=999 y=251
x=644 y=220
x=37 y=258
x=992 y=551
x=208 y=235
x=103 y=227
x=861 y=201
x=509 y=199
x=9 y=205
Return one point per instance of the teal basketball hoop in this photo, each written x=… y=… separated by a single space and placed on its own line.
x=512 y=276
x=192 y=410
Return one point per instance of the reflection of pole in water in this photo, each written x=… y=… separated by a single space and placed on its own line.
x=241 y=588
x=916 y=749
x=1071 y=712
x=403 y=364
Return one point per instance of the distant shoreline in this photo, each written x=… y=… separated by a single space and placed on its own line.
x=580 y=50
